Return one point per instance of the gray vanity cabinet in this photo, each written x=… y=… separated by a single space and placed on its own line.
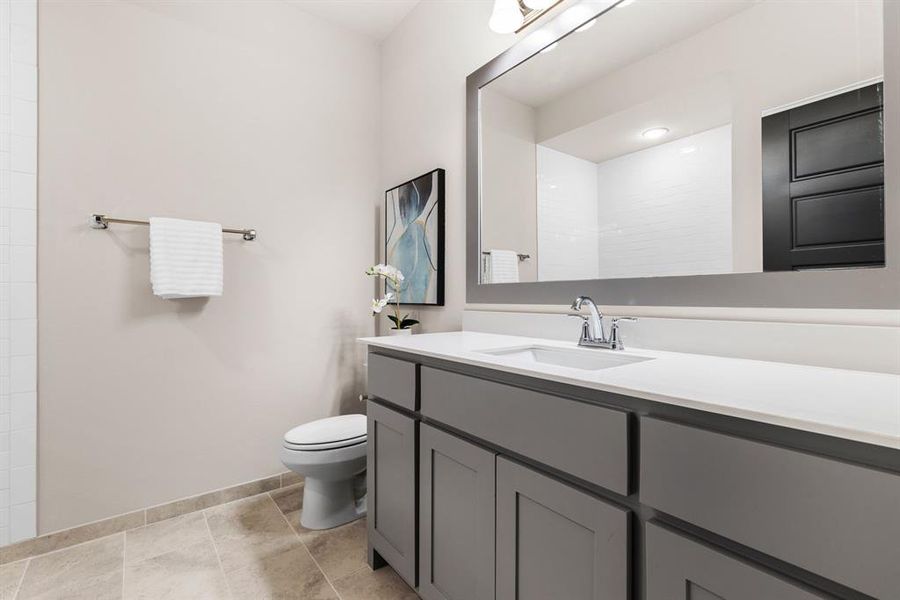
x=456 y=524
x=554 y=541
x=391 y=482
x=681 y=569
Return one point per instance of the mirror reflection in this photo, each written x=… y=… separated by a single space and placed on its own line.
x=673 y=137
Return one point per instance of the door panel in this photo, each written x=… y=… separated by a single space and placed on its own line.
x=457 y=518
x=391 y=481
x=554 y=541
x=681 y=569
x=823 y=183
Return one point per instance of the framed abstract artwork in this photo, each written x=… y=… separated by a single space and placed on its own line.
x=414 y=237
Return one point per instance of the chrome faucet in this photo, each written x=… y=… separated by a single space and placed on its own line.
x=592 y=332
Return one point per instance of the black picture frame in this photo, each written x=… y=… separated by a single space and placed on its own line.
x=437 y=178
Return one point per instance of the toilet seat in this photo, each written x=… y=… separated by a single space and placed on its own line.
x=327 y=434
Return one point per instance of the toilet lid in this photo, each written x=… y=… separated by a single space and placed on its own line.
x=333 y=432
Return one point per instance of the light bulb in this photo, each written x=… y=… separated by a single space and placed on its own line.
x=506 y=17
x=654 y=133
x=538 y=4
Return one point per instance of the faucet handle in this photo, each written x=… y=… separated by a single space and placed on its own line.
x=615 y=339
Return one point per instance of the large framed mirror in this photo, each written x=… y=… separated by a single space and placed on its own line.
x=675 y=152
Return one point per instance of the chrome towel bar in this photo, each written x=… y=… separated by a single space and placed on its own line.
x=99 y=221
x=520 y=255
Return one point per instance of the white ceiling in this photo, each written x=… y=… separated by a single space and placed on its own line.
x=374 y=18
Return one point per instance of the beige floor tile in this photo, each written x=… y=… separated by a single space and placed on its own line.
x=92 y=570
x=159 y=538
x=289 y=499
x=339 y=551
x=10 y=578
x=249 y=531
x=366 y=584
x=291 y=575
x=191 y=573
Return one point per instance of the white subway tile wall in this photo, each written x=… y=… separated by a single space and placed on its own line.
x=664 y=210
x=18 y=270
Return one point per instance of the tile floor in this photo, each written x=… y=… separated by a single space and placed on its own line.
x=253 y=548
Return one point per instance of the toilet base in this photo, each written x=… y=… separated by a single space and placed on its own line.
x=328 y=504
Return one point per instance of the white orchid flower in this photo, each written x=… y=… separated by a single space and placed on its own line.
x=378 y=305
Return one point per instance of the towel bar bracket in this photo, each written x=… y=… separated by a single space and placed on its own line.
x=101 y=221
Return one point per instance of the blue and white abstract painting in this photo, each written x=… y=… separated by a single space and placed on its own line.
x=414 y=237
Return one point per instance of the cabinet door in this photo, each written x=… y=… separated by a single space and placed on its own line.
x=681 y=569
x=391 y=481
x=456 y=528
x=554 y=541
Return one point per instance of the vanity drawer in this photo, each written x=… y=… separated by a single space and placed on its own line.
x=393 y=380
x=679 y=568
x=583 y=440
x=831 y=518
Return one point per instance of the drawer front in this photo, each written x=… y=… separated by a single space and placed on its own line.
x=393 y=380
x=391 y=486
x=681 y=569
x=589 y=442
x=554 y=541
x=831 y=518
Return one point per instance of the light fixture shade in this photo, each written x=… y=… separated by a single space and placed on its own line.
x=538 y=4
x=506 y=17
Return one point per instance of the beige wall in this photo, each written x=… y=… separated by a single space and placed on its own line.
x=509 y=185
x=424 y=65
x=252 y=114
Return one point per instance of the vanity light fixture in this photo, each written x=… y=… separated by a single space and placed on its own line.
x=654 y=133
x=506 y=17
x=512 y=16
x=550 y=48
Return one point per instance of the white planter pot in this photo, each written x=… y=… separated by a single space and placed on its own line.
x=399 y=331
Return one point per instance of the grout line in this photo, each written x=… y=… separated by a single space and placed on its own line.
x=216 y=550
x=305 y=547
x=124 y=542
x=21 y=579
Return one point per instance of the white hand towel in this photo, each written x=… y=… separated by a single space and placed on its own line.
x=185 y=258
x=504 y=266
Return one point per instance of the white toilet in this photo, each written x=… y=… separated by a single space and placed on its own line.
x=331 y=455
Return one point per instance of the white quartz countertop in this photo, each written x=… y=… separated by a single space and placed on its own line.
x=854 y=405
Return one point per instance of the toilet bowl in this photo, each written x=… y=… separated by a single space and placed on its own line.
x=331 y=455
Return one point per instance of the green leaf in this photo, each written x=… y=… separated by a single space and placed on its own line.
x=397 y=325
x=407 y=323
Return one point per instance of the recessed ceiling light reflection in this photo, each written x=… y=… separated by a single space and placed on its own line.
x=624 y=4
x=550 y=48
x=654 y=133
x=586 y=26
x=688 y=149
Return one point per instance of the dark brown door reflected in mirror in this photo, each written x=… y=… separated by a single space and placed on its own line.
x=823 y=183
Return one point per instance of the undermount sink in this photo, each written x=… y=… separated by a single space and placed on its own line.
x=587 y=359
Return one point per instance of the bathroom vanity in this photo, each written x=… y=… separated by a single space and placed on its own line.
x=507 y=467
